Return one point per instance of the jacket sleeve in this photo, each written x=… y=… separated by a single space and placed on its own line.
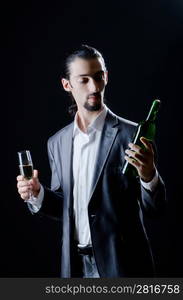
x=153 y=203
x=53 y=197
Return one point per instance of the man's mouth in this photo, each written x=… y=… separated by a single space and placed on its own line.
x=94 y=97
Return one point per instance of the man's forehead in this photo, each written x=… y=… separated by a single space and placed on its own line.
x=82 y=66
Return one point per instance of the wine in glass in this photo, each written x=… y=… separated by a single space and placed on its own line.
x=25 y=165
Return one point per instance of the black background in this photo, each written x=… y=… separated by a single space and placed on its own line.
x=142 y=43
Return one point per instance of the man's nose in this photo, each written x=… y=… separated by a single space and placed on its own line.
x=94 y=86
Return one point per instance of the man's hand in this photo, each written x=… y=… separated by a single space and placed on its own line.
x=142 y=159
x=28 y=187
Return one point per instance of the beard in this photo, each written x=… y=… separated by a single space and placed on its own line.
x=93 y=107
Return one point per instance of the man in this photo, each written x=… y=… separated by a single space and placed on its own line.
x=103 y=233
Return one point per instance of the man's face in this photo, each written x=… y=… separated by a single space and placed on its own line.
x=87 y=82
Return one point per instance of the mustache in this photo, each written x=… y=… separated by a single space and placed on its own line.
x=97 y=95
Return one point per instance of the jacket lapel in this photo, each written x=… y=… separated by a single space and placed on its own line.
x=67 y=178
x=67 y=155
x=107 y=139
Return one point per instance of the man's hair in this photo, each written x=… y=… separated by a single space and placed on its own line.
x=84 y=52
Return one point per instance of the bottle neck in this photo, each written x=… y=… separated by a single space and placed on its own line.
x=153 y=111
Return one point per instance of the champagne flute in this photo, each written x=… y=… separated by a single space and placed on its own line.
x=25 y=165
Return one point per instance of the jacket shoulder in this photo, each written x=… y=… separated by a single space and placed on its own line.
x=127 y=123
x=122 y=122
x=58 y=135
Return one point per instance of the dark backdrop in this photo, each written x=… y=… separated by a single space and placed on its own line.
x=142 y=42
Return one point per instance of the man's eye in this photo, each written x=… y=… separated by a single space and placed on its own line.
x=99 y=77
x=83 y=80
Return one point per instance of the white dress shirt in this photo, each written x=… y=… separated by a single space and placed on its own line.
x=85 y=148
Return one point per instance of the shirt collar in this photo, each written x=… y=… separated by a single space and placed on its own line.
x=97 y=123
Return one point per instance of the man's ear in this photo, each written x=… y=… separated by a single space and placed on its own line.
x=66 y=85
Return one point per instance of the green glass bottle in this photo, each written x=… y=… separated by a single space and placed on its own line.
x=147 y=129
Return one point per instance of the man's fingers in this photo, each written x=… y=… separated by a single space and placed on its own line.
x=146 y=143
x=25 y=196
x=20 y=178
x=137 y=149
x=132 y=161
x=22 y=183
x=34 y=179
x=23 y=190
x=140 y=150
x=35 y=173
x=134 y=147
x=27 y=187
x=137 y=156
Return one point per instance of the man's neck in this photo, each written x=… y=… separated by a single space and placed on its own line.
x=85 y=117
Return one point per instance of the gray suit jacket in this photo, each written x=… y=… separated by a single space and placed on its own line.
x=116 y=208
